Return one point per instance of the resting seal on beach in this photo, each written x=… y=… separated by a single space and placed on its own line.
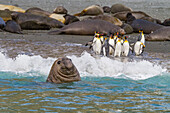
x=11 y=8
x=37 y=11
x=35 y=22
x=119 y=8
x=162 y=34
x=106 y=9
x=137 y=15
x=60 y=10
x=166 y=22
x=138 y=24
x=91 y=10
x=88 y=27
x=13 y=27
x=6 y=14
x=70 y=19
x=110 y=19
x=63 y=71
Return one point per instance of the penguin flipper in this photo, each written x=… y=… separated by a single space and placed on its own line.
x=112 y=47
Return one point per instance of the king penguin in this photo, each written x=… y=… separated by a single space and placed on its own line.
x=112 y=43
x=126 y=47
x=139 y=47
x=118 y=48
x=97 y=45
x=106 y=47
x=142 y=37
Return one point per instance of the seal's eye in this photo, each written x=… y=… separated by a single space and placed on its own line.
x=58 y=62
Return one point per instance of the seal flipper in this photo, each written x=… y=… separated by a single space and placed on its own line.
x=56 y=32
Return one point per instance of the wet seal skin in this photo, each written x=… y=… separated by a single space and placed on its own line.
x=88 y=27
x=63 y=71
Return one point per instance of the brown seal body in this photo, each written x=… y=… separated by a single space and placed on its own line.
x=38 y=11
x=162 y=34
x=91 y=10
x=106 y=9
x=63 y=71
x=88 y=27
x=138 y=24
x=11 y=8
x=60 y=10
x=70 y=19
x=136 y=14
x=35 y=22
x=13 y=27
x=119 y=8
x=110 y=19
x=166 y=22
x=5 y=14
x=147 y=26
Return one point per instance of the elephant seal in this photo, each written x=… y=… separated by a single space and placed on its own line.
x=5 y=14
x=138 y=24
x=13 y=27
x=38 y=11
x=91 y=10
x=166 y=22
x=127 y=28
x=88 y=27
x=110 y=19
x=11 y=8
x=70 y=19
x=119 y=8
x=58 y=17
x=162 y=34
x=106 y=9
x=60 y=10
x=63 y=71
x=35 y=22
x=136 y=14
x=2 y=23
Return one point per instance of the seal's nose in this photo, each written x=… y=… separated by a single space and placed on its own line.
x=68 y=63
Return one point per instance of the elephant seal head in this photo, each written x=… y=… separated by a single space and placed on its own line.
x=63 y=71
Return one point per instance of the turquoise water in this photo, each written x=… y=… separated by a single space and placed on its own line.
x=103 y=88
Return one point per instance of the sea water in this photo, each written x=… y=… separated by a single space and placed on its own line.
x=107 y=85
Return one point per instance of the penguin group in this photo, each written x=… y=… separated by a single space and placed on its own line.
x=116 y=44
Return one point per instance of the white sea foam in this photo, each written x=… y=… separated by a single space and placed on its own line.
x=86 y=64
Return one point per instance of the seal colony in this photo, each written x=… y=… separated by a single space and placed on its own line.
x=108 y=26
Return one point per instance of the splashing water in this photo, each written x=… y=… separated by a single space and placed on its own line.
x=87 y=66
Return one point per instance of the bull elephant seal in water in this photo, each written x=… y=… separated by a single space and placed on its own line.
x=119 y=8
x=162 y=34
x=63 y=71
x=11 y=8
x=88 y=27
x=138 y=24
x=91 y=10
x=60 y=10
x=35 y=22
x=13 y=27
